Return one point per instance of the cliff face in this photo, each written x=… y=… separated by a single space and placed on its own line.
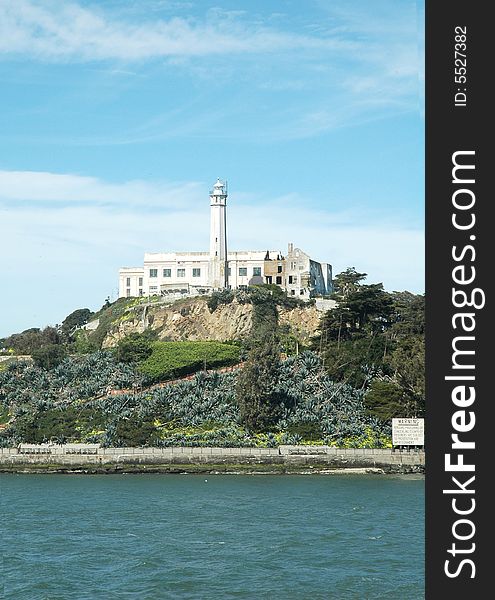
x=192 y=320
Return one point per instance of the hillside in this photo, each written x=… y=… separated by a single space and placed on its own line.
x=96 y=399
x=192 y=319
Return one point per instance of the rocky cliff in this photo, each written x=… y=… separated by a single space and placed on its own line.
x=191 y=319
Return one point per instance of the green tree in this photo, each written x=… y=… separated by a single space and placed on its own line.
x=408 y=314
x=373 y=334
x=135 y=433
x=256 y=394
x=385 y=400
x=49 y=356
x=75 y=320
x=134 y=348
x=347 y=282
x=352 y=360
x=368 y=306
x=32 y=339
x=408 y=364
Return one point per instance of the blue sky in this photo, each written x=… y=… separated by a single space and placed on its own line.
x=116 y=117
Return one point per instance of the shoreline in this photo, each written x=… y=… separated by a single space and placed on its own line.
x=200 y=470
x=303 y=460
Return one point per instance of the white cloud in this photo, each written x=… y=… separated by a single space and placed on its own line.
x=68 y=188
x=67 y=31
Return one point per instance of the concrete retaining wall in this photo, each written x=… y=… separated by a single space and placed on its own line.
x=291 y=456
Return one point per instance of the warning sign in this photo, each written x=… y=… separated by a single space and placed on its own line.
x=408 y=432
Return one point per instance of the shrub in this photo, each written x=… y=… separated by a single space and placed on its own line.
x=83 y=343
x=108 y=315
x=76 y=319
x=217 y=298
x=309 y=432
x=32 y=339
x=134 y=348
x=135 y=433
x=384 y=400
x=174 y=359
x=49 y=357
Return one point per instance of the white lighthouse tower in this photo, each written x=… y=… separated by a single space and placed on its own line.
x=218 y=235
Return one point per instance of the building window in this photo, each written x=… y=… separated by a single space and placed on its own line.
x=167 y=272
x=140 y=281
x=279 y=269
x=256 y=271
x=242 y=271
x=229 y=271
x=128 y=281
x=293 y=292
x=153 y=272
x=196 y=272
x=181 y=272
x=269 y=279
x=292 y=278
x=301 y=292
x=128 y=292
x=140 y=292
x=278 y=280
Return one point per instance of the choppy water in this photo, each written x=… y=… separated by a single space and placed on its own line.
x=178 y=536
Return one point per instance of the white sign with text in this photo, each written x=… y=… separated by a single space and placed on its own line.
x=408 y=432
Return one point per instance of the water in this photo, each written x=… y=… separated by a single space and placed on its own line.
x=157 y=537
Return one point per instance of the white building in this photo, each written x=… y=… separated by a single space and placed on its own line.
x=190 y=273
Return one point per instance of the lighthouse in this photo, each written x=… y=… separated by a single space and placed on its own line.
x=218 y=235
x=175 y=275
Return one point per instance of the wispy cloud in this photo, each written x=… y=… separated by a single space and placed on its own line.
x=45 y=187
x=358 y=64
x=67 y=31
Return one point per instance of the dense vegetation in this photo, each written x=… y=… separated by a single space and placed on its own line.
x=29 y=340
x=374 y=340
x=72 y=403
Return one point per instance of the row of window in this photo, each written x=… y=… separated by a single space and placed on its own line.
x=128 y=292
x=243 y=271
x=128 y=281
x=196 y=272
x=278 y=279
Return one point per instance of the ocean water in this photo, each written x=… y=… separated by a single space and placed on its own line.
x=154 y=537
